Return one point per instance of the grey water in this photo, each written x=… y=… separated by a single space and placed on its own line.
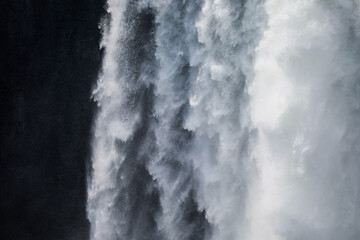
x=227 y=120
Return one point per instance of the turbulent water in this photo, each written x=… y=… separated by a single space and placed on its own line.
x=227 y=119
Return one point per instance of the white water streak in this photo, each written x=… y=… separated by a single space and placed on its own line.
x=113 y=123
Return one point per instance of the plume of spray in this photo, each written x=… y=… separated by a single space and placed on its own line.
x=304 y=109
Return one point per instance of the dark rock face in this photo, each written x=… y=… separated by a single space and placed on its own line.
x=50 y=61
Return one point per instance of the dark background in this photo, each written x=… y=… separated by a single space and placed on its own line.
x=50 y=60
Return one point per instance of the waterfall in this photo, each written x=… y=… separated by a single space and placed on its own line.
x=227 y=119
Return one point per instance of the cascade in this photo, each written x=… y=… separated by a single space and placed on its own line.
x=227 y=119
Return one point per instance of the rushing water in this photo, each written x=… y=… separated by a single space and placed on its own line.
x=227 y=119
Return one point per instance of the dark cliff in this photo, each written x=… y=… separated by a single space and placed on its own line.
x=50 y=61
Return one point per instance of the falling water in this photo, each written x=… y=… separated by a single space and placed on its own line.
x=227 y=119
